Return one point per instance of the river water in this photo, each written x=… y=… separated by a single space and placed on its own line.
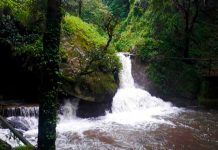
x=138 y=121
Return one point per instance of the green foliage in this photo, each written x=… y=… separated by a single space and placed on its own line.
x=84 y=35
x=174 y=77
x=156 y=29
x=103 y=62
x=129 y=38
x=94 y=11
x=166 y=24
x=27 y=147
x=119 y=8
x=19 y=9
x=132 y=31
x=14 y=28
x=149 y=48
x=83 y=41
x=33 y=49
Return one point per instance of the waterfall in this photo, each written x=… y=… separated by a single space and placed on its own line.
x=125 y=75
x=129 y=98
x=28 y=111
x=68 y=110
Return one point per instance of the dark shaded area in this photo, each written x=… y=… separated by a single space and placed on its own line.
x=209 y=95
x=91 y=109
x=16 y=81
x=211 y=88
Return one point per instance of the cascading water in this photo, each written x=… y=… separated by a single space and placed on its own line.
x=132 y=105
x=23 y=119
x=138 y=121
x=131 y=99
x=20 y=111
x=125 y=74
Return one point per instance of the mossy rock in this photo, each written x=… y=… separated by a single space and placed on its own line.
x=97 y=84
x=92 y=87
x=95 y=91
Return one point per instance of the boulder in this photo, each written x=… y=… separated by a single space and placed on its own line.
x=102 y=103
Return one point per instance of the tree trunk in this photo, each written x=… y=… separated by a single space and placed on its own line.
x=50 y=79
x=187 y=45
x=14 y=131
x=187 y=36
x=108 y=42
x=80 y=2
x=189 y=10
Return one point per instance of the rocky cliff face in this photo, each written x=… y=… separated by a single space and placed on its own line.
x=141 y=77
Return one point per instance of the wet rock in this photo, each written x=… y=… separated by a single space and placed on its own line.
x=141 y=77
x=88 y=109
x=19 y=123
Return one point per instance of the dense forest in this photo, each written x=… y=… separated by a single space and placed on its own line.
x=54 y=49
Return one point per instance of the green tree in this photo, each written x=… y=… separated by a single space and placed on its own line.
x=50 y=77
x=119 y=8
x=189 y=10
x=80 y=4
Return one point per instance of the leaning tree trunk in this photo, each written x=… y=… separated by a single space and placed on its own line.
x=50 y=69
